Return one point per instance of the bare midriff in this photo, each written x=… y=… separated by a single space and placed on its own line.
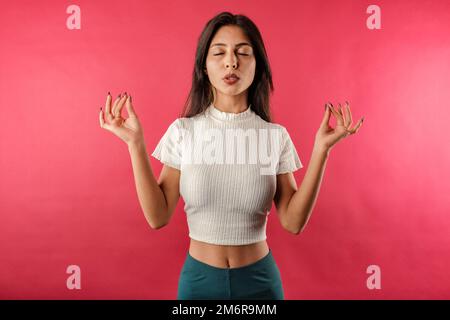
x=228 y=256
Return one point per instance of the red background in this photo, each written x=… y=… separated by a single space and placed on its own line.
x=67 y=194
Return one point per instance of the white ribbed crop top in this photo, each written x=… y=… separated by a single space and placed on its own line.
x=228 y=164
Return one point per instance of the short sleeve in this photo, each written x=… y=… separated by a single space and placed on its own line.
x=168 y=149
x=289 y=159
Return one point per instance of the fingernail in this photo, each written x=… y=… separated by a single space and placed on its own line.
x=109 y=93
x=326 y=106
x=362 y=120
x=130 y=99
x=125 y=93
x=100 y=108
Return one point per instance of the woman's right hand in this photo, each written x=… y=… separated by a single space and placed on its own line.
x=130 y=129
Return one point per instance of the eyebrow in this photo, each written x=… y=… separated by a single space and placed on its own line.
x=237 y=45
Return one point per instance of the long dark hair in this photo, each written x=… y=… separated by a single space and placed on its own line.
x=201 y=94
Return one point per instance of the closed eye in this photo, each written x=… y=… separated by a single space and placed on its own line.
x=218 y=54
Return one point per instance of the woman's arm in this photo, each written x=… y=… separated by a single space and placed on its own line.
x=157 y=200
x=294 y=206
x=298 y=205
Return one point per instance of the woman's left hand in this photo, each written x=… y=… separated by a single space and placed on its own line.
x=326 y=136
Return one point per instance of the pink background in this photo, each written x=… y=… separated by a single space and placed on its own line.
x=67 y=193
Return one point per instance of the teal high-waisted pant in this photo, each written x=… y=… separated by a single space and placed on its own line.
x=259 y=280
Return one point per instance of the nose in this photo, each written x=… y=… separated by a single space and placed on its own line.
x=232 y=62
x=234 y=65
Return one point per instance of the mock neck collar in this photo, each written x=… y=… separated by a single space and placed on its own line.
x=230 y=116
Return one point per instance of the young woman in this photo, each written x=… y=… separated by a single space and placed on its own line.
x=227 y=193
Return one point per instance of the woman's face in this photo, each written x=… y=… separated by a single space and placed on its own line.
x=230 y=51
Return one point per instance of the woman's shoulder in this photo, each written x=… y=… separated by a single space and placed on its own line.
x=269 y=125
x=185 y=122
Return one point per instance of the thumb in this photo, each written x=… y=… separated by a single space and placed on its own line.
x=103 y=124
x=129 y=107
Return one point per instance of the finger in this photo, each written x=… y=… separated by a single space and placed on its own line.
x=339 y=109
x=339 y=120
x=341 y=113
x=358 y=125
x=349 y=114
x=108 y=107
x=103 y=124
x=326 y=116
x=113 y=112
x=130 y=108
x=344 y=115
x=120 y=105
